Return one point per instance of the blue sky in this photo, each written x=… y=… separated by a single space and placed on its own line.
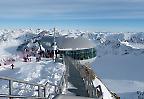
x=100 y=15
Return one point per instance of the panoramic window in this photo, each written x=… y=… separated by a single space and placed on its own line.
x=81 y=54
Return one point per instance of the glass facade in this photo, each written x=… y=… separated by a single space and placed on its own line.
x=81 y=54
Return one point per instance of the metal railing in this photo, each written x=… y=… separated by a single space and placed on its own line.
x=42 y=91
x=88 y=77
x=11 y=88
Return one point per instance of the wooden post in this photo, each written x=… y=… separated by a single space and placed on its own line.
x=39 y=91
x=10 y=87
x=94 y=92
x=45 y=91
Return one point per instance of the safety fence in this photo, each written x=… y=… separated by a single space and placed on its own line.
x=40 y=91
x=50 y=90
x=88 y=76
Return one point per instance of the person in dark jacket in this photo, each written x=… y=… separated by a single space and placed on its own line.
x=12 y=65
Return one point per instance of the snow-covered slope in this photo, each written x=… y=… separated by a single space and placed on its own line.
x=35 y=72
x=119 y=60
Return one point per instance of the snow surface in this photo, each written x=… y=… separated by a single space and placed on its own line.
x=119 y=60
x=34 y=72
x=105 y=91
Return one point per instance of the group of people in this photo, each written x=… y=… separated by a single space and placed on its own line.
x=8 y=61
x=27 y=53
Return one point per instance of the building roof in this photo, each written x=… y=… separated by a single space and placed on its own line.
x=67 y=43
x=72 y=97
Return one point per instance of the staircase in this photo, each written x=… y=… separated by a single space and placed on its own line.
x=76 y=80
x=83 y=87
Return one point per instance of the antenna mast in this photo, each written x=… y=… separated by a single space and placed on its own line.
x=54 y=47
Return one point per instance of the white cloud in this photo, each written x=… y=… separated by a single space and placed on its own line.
x=73 y=9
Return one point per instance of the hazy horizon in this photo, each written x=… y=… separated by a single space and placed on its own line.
x=103 y=15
